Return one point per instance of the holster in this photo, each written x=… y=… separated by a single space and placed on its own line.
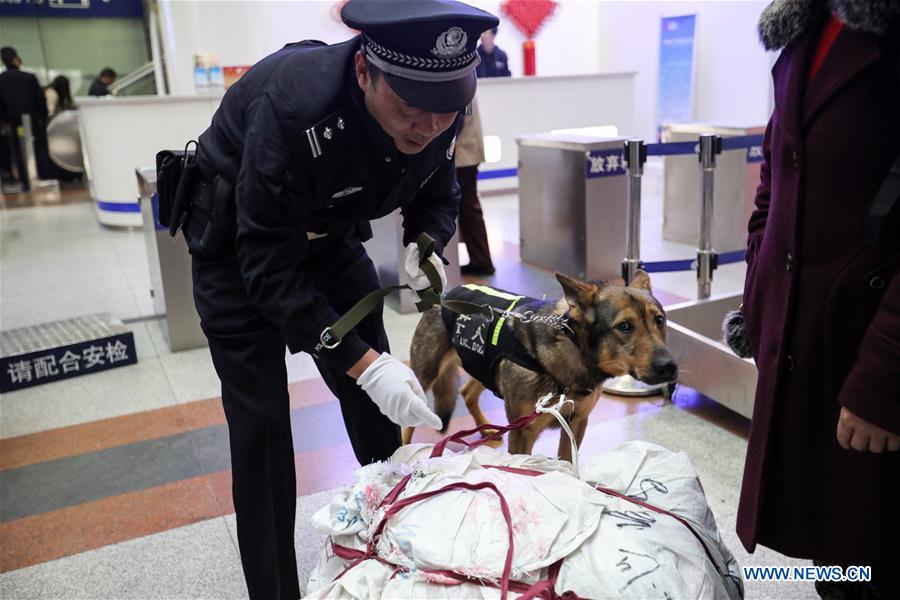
x=177 y=176
x=168 y=172
x=221 y=225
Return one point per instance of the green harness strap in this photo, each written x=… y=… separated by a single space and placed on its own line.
x=495 y=336
x=331 y=336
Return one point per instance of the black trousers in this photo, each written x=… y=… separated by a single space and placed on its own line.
x=471 y=219
x=248 y=354
x=11 y=159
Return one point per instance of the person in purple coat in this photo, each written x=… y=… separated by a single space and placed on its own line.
x=822 y=299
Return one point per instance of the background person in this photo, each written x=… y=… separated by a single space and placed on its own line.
x=822 y=302
x=21 y=94
x=100 y=85
x=58 y=96
x=494 y=62
x=472 y=232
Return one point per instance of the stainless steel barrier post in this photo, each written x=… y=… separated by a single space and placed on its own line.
x=636 y=156
x=707 y=258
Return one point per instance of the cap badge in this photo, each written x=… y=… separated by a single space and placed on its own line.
x=451 y=43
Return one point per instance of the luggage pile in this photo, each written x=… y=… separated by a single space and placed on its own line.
x=481 y=523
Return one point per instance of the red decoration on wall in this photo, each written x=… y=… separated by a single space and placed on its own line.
x=528 y=58
x=528 y=16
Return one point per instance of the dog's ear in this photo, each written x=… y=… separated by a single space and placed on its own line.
x=578 y=293
x=641 y=280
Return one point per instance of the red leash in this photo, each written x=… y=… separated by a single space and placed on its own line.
x=459 y=436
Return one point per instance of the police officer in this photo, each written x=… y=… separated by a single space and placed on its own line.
x=315 y=141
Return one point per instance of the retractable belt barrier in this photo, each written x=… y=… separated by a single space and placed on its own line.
x=751 y=143
x=706 y=149
x=707 y=260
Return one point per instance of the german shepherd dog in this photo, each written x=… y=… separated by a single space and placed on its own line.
x=596 y=330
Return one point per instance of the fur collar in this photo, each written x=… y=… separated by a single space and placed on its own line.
x=783 y=21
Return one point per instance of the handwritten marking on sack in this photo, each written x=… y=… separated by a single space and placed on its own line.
x=625 y=565
x=633 y=518
x=649 y=485
x=343 y=516
x=666 y=595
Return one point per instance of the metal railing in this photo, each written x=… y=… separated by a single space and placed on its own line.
x=138 y=77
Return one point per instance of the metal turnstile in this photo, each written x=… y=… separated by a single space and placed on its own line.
x=572 y=208
x=736 y=179
x=171 y=284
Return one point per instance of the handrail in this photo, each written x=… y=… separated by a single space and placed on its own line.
x=132 y=78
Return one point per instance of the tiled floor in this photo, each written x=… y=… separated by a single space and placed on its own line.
x=117 y=485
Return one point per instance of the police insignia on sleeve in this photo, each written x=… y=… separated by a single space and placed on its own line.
x=451 y=148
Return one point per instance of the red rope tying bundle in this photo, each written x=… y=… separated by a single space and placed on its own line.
x=544 y=589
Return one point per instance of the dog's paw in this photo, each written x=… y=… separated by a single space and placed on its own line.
x=445 y=422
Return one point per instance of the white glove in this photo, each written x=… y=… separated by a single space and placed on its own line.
x=418 y=280
x=394 y=388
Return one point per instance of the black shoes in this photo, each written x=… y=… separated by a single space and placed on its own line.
x=482 y=270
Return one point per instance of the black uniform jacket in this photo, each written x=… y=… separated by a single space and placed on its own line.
x=494 y=64
x=306 y=158
x=21 y=94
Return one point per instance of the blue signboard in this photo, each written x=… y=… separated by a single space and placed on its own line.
x=72 y=8
x=755 y=153
x=604 y=163
x=80 y=358
x=676 y=69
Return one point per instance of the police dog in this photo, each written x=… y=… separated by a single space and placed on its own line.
x=596 y=330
